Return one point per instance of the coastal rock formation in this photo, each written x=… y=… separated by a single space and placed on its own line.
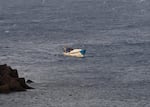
x=10 y=81
x=29 y=81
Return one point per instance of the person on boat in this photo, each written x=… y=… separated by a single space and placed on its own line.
x=68 y=49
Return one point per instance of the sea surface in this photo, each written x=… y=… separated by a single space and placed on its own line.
x=115 y=71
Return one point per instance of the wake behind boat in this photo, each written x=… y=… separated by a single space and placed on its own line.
x=74 y=52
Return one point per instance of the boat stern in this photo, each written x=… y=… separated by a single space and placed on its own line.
x=83 y=51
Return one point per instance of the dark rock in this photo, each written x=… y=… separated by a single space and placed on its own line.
x=16 y=86
x=23 y=84
x=10 y=81
x=4 y=69
x=4 y=88
x=29 y=81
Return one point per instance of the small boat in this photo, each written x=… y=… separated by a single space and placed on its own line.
x=74 y=52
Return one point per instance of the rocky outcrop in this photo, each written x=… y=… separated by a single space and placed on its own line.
x=29 y=81
x=10 y=81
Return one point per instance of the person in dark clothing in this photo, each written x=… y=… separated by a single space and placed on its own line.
x=68 y=49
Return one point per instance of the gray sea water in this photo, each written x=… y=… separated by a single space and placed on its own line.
x=115 y=71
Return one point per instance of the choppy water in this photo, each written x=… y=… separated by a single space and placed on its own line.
x=115 y=33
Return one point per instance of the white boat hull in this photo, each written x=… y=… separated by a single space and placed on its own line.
x=76 y=53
